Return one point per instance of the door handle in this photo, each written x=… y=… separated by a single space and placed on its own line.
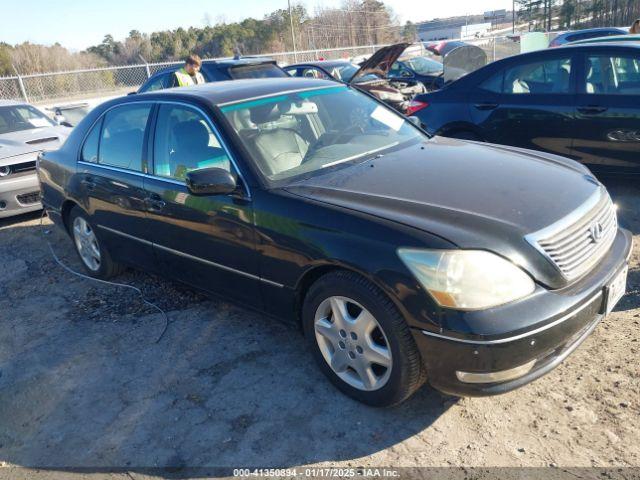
x=592 y=109
x=154 y=202
x=486 y=106
x=88 y=182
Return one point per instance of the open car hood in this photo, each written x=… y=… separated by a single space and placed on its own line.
x=380 y=62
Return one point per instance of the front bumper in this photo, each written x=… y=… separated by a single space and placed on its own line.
x=20 y=194
x=557 y=323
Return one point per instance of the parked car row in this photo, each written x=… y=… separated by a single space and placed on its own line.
x=404 y=256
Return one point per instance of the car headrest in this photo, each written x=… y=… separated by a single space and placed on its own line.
x=270 y=112
x=191 y=133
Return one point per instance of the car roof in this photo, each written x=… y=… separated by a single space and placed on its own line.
x=225 y=62
x=321 y=63
x=591 y=30
x=599 y=45
x=230 y=91
x=10 y=103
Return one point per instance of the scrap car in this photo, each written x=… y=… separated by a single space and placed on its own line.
x=24 y=132
x=404 y=258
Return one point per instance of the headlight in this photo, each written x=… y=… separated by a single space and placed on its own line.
x=467 y=279
x=390 y=96
x=5 y=170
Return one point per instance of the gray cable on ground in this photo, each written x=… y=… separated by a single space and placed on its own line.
x=106 y=282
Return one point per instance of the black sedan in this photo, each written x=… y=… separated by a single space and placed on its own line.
x=218 y=70
x=403 y=257
x=580 y=101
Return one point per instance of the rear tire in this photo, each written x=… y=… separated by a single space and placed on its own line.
x=360 y=340
x=93 y=254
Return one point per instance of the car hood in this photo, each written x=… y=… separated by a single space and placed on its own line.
x=380 y=62
x=15 y=145
x=474 y=195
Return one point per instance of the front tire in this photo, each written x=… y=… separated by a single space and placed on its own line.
x=360 y=340
x=95 y=258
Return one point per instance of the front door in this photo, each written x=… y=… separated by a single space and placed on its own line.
x=110 y=175
x=529 y=104
x=206 y=241
x=608 y=112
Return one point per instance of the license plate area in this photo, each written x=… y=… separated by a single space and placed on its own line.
x=615 y=290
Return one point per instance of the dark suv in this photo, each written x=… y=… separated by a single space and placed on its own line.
x=217 y=70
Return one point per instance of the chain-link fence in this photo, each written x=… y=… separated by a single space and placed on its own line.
x=64 y=87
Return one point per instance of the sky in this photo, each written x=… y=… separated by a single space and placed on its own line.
x=77 y=24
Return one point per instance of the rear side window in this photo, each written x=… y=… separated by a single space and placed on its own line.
x=184 y=142
x=493 y=83
x=540 y=77
x=267 y=70
x=613 y=75
x=157 y=84
x=122 y=139
x=91 y=143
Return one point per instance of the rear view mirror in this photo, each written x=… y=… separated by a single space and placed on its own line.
x=211 y=181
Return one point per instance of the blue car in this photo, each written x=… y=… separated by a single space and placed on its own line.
x=218 y=70
x=574 y=36
x=578 y=101
x=425 y=70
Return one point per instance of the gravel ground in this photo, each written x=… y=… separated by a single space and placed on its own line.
x=83 y=383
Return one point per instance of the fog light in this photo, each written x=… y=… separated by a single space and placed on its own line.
x=491 y=377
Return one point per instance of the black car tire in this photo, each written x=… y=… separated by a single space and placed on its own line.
x=407 y=371
x=107 y=267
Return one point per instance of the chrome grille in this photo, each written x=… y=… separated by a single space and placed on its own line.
x=576 y=247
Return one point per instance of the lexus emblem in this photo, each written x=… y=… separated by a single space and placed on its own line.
x=596 y=231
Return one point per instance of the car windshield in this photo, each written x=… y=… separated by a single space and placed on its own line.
x=303 y=132
x=345 y=72
x=265 y=70
x=16 y=118
x=424 y=66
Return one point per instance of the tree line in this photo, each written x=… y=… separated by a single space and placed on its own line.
x=577 y=14
x=355 y=22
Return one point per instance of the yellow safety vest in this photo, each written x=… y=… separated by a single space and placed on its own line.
x=185 y=80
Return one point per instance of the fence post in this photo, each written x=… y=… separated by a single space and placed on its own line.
x=146 y=66
x=23 y=91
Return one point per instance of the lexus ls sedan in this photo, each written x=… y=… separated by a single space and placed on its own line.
x=403 y=257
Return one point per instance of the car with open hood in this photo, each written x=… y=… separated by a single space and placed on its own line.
x=402 y=257
x=24 y=132
x=372 y=76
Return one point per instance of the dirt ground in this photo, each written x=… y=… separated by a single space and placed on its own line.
x=83 y=383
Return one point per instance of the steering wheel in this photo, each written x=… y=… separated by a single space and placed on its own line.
x=321 y=142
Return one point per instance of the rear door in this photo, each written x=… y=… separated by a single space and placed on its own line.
x=529 y=103
x=206 y=241
x=110 y=176
x=608 y=111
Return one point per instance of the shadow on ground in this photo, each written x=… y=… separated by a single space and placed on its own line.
x=224 y=387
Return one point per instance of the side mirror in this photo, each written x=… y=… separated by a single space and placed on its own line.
x=211 y=181
x=415 y=120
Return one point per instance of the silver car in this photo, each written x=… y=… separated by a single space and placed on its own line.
x=24 y=132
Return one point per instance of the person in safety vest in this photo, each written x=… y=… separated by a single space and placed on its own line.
x=189 y=74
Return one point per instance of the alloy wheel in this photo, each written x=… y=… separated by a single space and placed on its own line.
x=86 y=243
x=353 y=343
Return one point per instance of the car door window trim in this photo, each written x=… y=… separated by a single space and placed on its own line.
x=153 y=103
x=192 y=257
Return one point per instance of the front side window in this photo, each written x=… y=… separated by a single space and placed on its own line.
x=613 y=75
x=304 y=132
x=122 y=139
x=15 y=118
x=540 y=77
x=184 y=142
